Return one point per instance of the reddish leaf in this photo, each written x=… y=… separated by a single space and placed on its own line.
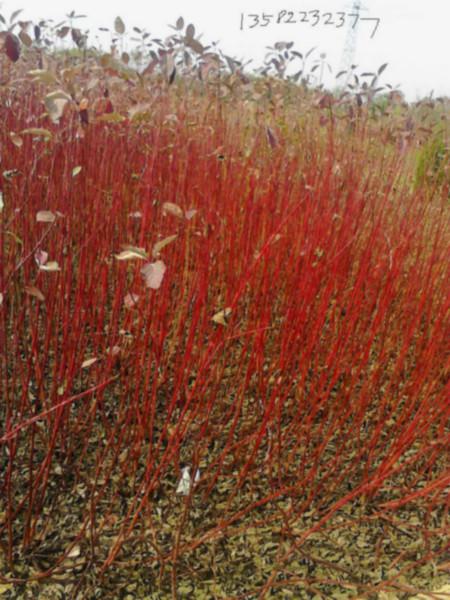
x=271 y=138
x=325 y=101
x=34 y=291
x=41 y=257
x=77 y=37
x=12 y=47
x=190 y=31
x=61 y=33
x=131 y=300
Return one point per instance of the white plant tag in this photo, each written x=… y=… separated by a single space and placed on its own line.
x=185 y=483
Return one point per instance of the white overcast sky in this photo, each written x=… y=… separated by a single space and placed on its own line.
x=413 y=35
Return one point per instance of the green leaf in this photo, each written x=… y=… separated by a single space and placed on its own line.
x=55 y=103
x=111 y=118
x=42 y=76
x=131 y=252
x=50 y=266
x=16 y=139
x=162 y=244
x=38 y=132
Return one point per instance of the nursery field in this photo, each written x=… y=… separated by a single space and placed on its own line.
x=224 y=326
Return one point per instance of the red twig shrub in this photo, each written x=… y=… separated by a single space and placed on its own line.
x=183 y=291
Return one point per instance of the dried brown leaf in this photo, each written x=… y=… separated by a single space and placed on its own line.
x=50 y=266
x=222 y=316
x=45 y=216
x=173 y=209
x=119 y=26
x=16 y=139
x=153 y=274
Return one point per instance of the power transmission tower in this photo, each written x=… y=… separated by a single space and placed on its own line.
x=349 y=52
